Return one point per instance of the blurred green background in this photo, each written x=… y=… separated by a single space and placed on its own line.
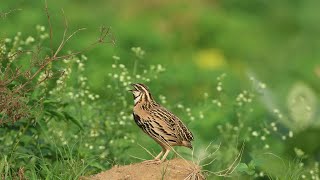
x=274 y=42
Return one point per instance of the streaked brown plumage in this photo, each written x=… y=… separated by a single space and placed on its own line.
x=156 y=121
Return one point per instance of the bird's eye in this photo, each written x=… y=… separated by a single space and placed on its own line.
x=136 y=93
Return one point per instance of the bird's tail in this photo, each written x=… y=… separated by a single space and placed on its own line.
x=187 y=144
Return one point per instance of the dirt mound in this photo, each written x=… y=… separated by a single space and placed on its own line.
x=170 y=169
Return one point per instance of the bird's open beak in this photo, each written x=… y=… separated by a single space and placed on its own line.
x=130 y=90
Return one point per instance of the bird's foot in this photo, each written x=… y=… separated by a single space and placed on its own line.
x=153 y=161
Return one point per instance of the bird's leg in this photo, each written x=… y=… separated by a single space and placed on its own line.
x=165 y=155
x=156 y=160
x=158 y=156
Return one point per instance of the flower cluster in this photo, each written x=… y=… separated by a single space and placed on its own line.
x=219 y=83
x=313 y=173
x=244 y=97
x=138 y=51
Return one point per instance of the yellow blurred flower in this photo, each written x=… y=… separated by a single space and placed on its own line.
x=317 y=70
x=210 y=59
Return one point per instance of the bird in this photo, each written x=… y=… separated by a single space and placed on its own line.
x=159 y=123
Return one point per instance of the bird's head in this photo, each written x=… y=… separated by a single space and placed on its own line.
x=141 y=93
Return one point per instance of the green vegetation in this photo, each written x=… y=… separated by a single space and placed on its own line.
x=243 y=75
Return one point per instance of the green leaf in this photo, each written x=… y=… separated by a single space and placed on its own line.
x=56 y=114
x=243 y=168
x=74 y=120
x=96 y=165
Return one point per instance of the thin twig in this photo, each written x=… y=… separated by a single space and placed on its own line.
x=64 y=34
x=138 y=158
x=5 y=14
x=50 y=26
x=146 y=150
x=231 y=167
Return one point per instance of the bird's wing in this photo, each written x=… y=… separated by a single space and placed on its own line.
x=156 y=129
x=172 y=124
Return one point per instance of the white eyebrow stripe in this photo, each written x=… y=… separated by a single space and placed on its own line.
x=142 y=87
x=145 y=92
x=137 y=99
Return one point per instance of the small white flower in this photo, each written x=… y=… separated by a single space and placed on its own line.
x=42 y=28
x=70 y=94
x=116 y=57
x=29 y=40
x=266 y=131
x=283 y=137
x=121 y=78
x=255 y=133
x=262 y=85
x=90 y=96
x=201 y=115
x=84 y=57
x=261 y=174
x=219 y=88
x=81 y=65
x=219 y=104
x=180 y=106
x=275 y=128
x=301 y=164
x=44 y=36
x=290 y=134
x=7 y=40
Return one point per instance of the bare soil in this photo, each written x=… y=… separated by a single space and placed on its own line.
x=171 y=169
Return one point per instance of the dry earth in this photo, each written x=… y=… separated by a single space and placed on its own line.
x=171 y=169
